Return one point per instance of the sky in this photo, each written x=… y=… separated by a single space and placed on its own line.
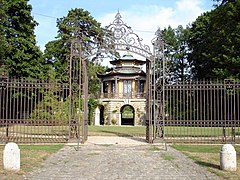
x=143 y=16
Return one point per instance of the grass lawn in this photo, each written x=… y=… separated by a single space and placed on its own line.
x=31 y=156
x=209 y=157
x=36 y=130
x=170 y=131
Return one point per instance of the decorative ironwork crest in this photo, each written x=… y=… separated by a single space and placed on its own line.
x=120 y=37
x=126 y=39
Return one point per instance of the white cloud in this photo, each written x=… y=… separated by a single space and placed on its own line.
x=184 y=5
x=187 y=12
x=150 y=18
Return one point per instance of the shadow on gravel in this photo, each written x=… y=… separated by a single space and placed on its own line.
x=126 y=135
x=138 y=139
x=206 y=164
x=117 y=133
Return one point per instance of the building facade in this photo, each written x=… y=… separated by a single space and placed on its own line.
x=123 y=93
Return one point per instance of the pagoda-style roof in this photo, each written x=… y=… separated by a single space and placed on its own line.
x=127 y=58
x=125 y=66
x=122 y=72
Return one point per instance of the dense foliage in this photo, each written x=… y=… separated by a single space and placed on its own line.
x=18 y=52
x=215 y=42
x=177 y=52
x=209 y=48
x=3 y=42
x=77 y=25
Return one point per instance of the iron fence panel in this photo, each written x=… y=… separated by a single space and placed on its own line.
x=34 y=111
x=202 y=112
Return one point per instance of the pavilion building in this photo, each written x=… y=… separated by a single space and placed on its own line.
x=123 y=93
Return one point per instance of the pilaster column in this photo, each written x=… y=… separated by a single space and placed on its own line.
x=116 y=86
x=102 y=89
x=138 y=88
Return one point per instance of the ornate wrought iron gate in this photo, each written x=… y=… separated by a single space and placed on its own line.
x=78 y=83
x=157 y=75
x=122 y=38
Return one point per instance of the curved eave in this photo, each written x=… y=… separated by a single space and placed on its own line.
x=119 y=61
x=120 y=74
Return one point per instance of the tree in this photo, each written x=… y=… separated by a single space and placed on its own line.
x=199 y=46
x=77 y=25
x=56 y=54
x=177 y=51
x=22 y=58
x=94 y=81
x=215 y=42
x=4 y=48
x=222 y=2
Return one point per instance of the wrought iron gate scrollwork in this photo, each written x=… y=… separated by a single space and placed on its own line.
x=81 y=52
x=78 y=82
x=118 y=37
x=126 y=40
x=158 y=74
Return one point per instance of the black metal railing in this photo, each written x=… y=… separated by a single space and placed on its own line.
x=202 y=111
x=124 y=95
x=34 y=111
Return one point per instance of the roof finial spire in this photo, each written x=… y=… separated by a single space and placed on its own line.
x=118 y=15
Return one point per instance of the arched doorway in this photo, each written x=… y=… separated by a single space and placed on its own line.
x=127 y=115
x=101 y=115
